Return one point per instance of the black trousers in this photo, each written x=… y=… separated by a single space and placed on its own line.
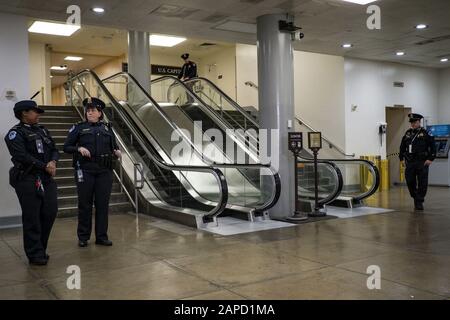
x=95 y=189
x=416 y=175
x=38 y=214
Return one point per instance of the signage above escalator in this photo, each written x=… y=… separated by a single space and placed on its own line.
x=157 y=69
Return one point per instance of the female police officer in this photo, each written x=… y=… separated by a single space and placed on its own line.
x=34 y=156
x=93 y=145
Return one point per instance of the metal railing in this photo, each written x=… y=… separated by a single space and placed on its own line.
x=304 y=123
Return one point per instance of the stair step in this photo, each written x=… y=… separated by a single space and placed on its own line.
x=72 y=200
x=58 y=125
x=71 y=190
x=62 y=118
x=72 y=211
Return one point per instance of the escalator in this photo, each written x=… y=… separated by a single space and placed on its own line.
x=175 y=97
x=360 y=177
x=186 y=186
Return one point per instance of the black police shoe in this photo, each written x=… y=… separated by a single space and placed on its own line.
x=418 y=206
x=107 y=243
x=38 y=261
x=82 y=243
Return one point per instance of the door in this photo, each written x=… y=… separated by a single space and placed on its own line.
x=397 y=124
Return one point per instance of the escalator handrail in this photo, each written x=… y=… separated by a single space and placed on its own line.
x=340 y=181
x=274 y=174
x=177 y=129
x=229 y=100
x=372 y=168
x=204 y=106
x=217 y=173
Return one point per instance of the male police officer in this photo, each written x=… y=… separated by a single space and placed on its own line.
x=418 y=150
x=93 y=145
x=189 y=69
x=34 y=156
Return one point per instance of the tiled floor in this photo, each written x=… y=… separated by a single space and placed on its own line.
x=156 y=259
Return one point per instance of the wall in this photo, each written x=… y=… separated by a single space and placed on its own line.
x=369 y=86
x=14 y=75
x=318 y=85
x=221 y=63
x=319 y=93
x=246 y=70
x=39 y=63
x=444 y=96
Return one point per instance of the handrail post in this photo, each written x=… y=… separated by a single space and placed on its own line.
x=138 y=183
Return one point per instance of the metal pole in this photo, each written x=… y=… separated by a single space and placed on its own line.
x=316 y=183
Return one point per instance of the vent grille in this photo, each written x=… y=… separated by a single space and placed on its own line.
x=215 y=18
x=171 y=11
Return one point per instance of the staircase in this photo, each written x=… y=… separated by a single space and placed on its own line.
x=58 y=120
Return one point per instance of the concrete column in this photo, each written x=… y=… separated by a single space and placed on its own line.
x=276 y=101
x=139 y=57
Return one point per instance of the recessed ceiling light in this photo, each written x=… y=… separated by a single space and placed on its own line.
x=58 y=68
x=57 y=29
x=422 y=26
x=444 y=60
x=165 y=41
x=400 y=53
x=347 y=45
x=360 y=1
x=98 y=10
x=72 y=58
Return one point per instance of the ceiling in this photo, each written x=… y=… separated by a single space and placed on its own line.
x=97 y=45
x=326 y=23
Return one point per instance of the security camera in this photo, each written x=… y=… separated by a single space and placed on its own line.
x=297 y=36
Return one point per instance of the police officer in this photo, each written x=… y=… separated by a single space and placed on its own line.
x=94 y=147
x=418 y=151
x=189 y=69
x=34 y=156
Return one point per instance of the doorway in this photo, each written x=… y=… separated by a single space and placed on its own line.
x=397 y=124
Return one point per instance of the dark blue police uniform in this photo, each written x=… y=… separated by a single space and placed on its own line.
x=416 y=147
x=189 y=69
x=32 y=148
x=94 y=176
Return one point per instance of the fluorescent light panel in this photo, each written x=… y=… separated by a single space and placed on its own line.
x=57 y=29
x=347 y=45
x=421 y=26
x=58 y=68
x=72 y=58
x=98 y=10
x=444 y=60
x=165 y=41
x=360 y=1
x=400 y=53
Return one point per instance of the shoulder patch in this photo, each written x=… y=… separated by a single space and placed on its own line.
x=12 y=135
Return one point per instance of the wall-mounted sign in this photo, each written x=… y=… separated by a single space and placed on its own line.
x=158 y=69
x=165 y=70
